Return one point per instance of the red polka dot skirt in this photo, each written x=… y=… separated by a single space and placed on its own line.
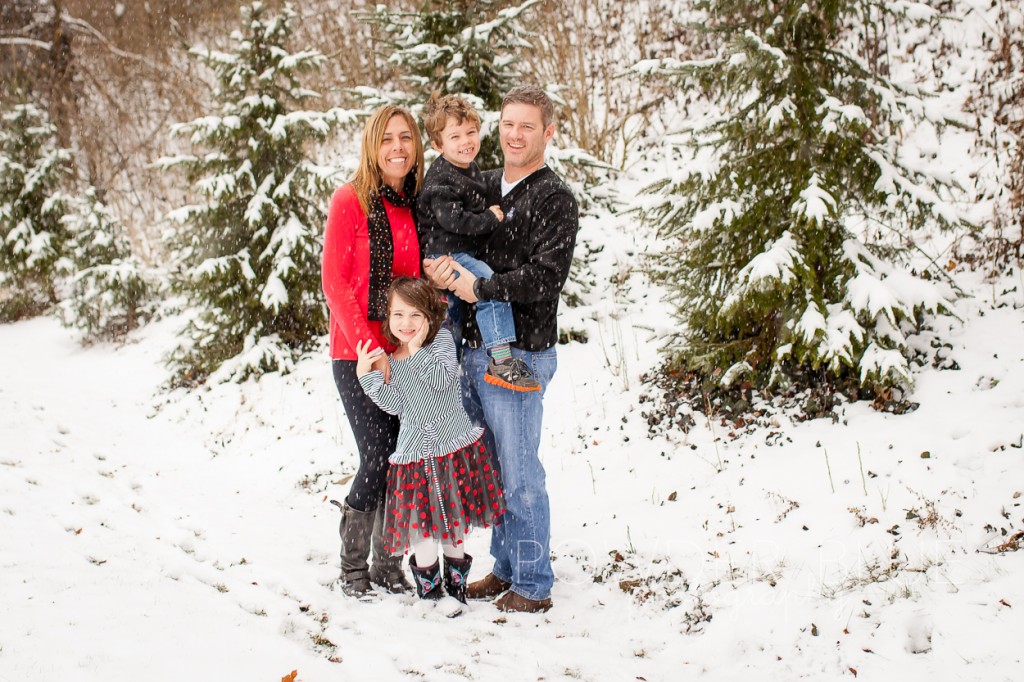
x=442 y=498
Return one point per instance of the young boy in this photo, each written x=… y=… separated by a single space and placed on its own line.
x=451 y=217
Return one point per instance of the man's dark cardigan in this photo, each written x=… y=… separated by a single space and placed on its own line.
x=530 y=252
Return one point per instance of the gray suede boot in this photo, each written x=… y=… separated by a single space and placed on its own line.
x=386 y=570
x=355 y=529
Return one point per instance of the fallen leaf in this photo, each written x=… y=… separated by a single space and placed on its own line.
x=672 y=496
x=629 y=585
x=290 y=677
x=854 y=671
x=1005 y=603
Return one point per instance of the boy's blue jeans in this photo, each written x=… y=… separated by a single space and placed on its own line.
x=521 y=542
x=493 y=318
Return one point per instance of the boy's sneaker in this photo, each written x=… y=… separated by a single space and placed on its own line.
x=512 y=374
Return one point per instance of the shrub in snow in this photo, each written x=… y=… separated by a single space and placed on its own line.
x=109 y=289
x=247 y=253
x=785 y=233
x=1003 y=88
x=33 y=171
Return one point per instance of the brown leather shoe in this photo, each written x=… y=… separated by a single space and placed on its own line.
x=487 y=587
x=517 y=603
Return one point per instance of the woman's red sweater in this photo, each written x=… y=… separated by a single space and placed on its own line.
x=345 y=271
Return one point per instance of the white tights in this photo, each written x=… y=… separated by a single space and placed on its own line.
x=426 y=552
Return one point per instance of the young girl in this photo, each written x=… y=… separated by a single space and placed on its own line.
x=441 y=481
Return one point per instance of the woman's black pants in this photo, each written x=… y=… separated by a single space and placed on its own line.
x=376 y=434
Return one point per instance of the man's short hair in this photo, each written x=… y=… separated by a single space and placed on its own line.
x=439 y=109
x=531 y=94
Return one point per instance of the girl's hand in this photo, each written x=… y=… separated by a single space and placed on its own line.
x=416 y=342
x=367 y=358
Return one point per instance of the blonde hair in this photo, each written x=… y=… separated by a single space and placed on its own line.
x=368 y=179
x=439 y=109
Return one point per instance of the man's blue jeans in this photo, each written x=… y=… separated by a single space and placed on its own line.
x=493 y=318
x=521 y=543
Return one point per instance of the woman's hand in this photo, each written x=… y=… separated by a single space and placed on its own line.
x=383 y=365
x=369 y=355
x=440 y=271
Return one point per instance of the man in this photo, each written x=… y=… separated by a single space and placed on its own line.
x=530 y=252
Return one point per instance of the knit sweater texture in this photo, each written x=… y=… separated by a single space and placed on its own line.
x=345 y=269
x=451 y=211
x=530 y=252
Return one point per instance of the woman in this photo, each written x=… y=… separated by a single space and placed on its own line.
x=370 y=239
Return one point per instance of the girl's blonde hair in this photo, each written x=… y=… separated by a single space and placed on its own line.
x=368 y=178
x=421 y=296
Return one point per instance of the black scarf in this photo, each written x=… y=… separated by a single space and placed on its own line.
x=382 y=246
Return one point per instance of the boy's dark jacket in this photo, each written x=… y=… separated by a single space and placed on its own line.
x=451 y=212
x=530 y=252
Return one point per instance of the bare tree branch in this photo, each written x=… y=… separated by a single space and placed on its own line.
x=88 y=28
x=29 y=42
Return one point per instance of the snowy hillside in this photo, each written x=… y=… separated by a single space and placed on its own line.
x=165 y=536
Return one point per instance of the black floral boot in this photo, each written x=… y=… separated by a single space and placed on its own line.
x=428 y=580
x=456 y=574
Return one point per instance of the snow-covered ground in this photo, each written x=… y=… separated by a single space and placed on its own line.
x=167 y=536
x=147 y=535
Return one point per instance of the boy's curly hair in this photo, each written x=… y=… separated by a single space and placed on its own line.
x=440 y=108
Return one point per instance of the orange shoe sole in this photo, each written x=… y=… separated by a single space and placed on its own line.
x=495 y=381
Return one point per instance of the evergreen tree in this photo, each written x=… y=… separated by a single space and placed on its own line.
x=110 y=286
x=454 y=47
x=784 y=232
x=249 y=251
x=33 y=171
